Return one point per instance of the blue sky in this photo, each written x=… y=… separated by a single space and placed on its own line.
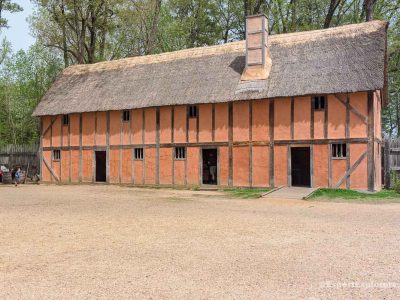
x=19 y=33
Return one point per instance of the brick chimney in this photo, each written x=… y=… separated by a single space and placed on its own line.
x=258 y=61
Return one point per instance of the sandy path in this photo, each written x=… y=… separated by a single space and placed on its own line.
x=117 y=242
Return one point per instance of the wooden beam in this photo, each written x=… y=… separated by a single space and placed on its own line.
x=69 y=152
x=187 y=123
x=172 y=141
x=158 y=145
x=50 y=126
x=230 y=140
x=218 y=144
x=351 y=170
x=51 y=143
x=94 y=151
x=80 y=147
x=271 y=143
x=172 y=123
x=312 y=119
x=386 y=159
x=93 y=166
x=144 y=146
x=108 y=147
x=292 y=118
x=326 y=117
x=289 y=166
x=330 y=165
x=121 y=142
x=343 y=100
x=213 y=124
x=347 y=128
x=51 y=170
x=41 y=148
x=251 y=145
x=370 y=147
x=312 y=165
x=200 y=162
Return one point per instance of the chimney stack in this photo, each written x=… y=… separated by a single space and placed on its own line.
x=258 y=61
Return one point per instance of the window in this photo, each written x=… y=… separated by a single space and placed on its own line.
x=65 y=120
x=56 y=154
x=339 y=150
x=192 y=111
x=180 y=153
x=138 y=153
x=319 y=102
x=126 y=115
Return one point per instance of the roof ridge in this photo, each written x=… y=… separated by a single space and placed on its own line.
x=233 y=47
x=310 y=35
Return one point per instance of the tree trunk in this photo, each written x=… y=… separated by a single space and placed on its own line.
x=293 y=4
x=369 y=9
x=151 y=42
x=397 y=118
x=64 y=35
x=256 y=9
x=245 y=13
x=331 y=11
x=92 y=34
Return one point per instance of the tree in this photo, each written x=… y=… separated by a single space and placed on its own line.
x=76 y=28
x=88 y=31
x=7 y=5
x=24 y=78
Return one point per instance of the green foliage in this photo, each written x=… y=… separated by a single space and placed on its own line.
x=339 y=194
x=246 y=193
x=24 y=78
x=9 y=6
x=397 y=187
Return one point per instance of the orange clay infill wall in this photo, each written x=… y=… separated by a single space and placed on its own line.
x=253 y=141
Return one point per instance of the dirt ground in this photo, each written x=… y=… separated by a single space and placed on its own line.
x=102 y=242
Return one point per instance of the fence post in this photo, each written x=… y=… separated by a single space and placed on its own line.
x=387 y=164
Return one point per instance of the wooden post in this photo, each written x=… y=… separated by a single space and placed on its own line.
x=251 y=143
x=108 y=148
x=271 y=144
x=386 y=160
x=230 y=145
x=371 y=138
x=157 y=145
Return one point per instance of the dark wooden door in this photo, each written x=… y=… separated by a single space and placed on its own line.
x=300 y=164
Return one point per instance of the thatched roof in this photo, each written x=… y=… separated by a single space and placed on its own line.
x=344 y=59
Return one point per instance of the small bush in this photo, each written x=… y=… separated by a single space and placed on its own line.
x=397 y=187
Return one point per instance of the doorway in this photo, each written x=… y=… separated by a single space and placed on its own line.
x=300 y=165
x=210 y=166
x=101 y=159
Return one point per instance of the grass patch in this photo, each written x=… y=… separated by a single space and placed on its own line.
x=337 y=194
x=245 y=193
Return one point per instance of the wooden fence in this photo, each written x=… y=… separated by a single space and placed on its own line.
x=20 y=156
x=391 y=162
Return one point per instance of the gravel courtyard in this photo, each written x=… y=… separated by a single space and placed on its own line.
x=82 y=242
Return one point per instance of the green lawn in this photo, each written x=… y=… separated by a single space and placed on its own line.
x=245 y=193
x=349 y=195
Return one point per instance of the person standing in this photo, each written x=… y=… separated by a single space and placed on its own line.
x=17 y=176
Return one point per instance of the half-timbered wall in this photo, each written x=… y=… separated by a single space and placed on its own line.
x=253 y=139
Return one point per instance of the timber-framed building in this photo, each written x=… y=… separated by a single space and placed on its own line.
x=298 y=109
